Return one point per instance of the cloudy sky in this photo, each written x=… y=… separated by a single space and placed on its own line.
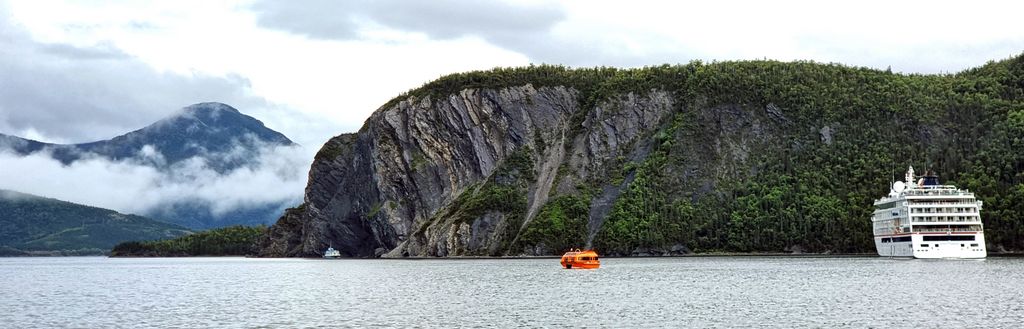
x=73 y=72
x=86 y=70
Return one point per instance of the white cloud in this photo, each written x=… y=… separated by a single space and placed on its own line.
x=334 y=84
x=278 y=176
x=911 y=36
x=75 y=70
x=68 y=93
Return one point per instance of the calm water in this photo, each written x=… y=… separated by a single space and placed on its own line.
x=91 y=292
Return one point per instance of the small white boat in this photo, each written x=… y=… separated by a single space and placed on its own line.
x=332 y=253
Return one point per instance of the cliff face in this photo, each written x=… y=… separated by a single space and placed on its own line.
x=714 y=158
x=393 y=189
x=380 y=190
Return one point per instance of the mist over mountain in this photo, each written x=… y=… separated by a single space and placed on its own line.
x=208 y=165
x=214 y=131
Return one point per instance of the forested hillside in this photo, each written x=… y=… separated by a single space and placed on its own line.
x=225 y=241
x=31 y=224
x=728 y=156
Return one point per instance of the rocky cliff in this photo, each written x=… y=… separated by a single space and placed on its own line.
x=737 y=156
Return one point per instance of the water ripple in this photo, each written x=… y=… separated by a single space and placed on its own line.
x=712 y=292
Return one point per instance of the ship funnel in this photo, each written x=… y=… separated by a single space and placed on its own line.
x=931 y=178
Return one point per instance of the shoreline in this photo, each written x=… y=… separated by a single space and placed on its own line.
x=716 y=254
x=808 y=255
x=726 y=255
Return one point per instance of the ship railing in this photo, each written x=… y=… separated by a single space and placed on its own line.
x=944 y=229
x=944 y=224
x=941 y=189
x=964 y=212
x=934 y=203
x=934 y=187
x=948 y=219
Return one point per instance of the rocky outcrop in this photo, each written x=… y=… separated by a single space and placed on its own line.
x=285 y=237
x=392 y=188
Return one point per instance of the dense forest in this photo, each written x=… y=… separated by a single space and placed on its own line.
x=839 y=134
x=34 y=225
x=226 y=241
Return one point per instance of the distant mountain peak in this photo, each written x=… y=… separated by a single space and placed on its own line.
x=211 y=114
x=208 y=130
x=209 y=107
x=196 y=138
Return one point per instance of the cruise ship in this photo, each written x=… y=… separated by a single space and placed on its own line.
x=923 y=219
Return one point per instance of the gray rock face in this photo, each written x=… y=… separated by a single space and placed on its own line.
x=826 y=134
x=394 y=185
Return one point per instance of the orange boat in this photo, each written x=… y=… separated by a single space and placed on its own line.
x=580 y=259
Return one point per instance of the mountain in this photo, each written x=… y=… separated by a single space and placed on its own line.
x=218 y=135
x=747 y=156
x=33 y=224
x=213 y=131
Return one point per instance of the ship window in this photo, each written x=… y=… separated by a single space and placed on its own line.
x=925 y=245
x=901 y=239
x=974 y=245
x=886 y=240
x=948 y=238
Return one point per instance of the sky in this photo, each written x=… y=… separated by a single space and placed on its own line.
x=315 y=69
x=80 y=71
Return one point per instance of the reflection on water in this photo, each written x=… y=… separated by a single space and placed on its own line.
x=96 y=292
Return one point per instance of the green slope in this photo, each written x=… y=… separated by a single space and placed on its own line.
x=773 y=156
x=37 y=224
x=226 y=241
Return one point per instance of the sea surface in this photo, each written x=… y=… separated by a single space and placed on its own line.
x=790 y=292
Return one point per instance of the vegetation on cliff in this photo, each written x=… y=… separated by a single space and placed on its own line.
x=753 y=156
x=226 y=241
x=560 y=225
x=814 y=190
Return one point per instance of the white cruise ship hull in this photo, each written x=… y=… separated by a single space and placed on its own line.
x=921 y=218
x=932 y=246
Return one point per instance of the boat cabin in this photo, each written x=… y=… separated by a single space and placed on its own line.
x=580 y=259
